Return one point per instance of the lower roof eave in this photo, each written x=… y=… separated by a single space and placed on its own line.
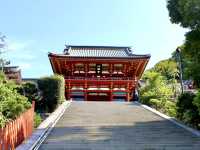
x=87 y=57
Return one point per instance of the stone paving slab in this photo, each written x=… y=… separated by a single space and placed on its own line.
x=116 y=126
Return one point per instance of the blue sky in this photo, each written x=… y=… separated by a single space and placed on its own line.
x=36 y=27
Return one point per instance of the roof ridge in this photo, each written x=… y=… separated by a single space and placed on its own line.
x=94 y=46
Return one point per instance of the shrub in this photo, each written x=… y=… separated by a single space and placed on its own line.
x=187 y=111
x=196 y=101
x=30 y=90
x=170 y=108
x=184 y=103
x=53 y=91
x=37 y=120
x=155 y=103
x=12 y=104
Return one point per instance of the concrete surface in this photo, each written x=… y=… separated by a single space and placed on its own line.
x=116 y=126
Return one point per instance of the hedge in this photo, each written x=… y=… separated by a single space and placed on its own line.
x=53 y=92
x=187 y=109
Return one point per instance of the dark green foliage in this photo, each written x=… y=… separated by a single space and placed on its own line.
x=184 y=103
x=30 y=90
x=185 y=12
x=53 y=92
x=196 y=101
x=192 y=53
x=187 y=111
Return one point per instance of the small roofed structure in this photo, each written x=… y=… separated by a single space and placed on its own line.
x=13 y=73
x=99 y=72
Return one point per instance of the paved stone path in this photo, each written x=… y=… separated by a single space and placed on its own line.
x=116 y=126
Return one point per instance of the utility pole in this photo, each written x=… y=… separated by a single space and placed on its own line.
x=179 y=60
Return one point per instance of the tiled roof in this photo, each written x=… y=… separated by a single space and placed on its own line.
x=99 y=51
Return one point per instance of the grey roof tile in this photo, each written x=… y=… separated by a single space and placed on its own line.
x=99 y=52
x=90 y=51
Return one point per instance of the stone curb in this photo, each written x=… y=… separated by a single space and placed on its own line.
x=171 y=119
x=43 y=129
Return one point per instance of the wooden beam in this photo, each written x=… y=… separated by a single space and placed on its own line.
x=52 y=61
x=59 y=68
x=141 y=69
x=139 y=63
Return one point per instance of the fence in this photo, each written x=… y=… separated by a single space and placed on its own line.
x=16 y=131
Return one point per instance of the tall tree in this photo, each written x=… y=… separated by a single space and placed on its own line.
x=187 y=14
x=167 y=68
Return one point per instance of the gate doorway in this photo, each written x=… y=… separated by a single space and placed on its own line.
x=94 y=96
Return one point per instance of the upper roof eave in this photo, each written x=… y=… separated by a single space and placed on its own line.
x=146 y=56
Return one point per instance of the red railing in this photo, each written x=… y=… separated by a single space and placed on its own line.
x=101 y=78
x=16 y=131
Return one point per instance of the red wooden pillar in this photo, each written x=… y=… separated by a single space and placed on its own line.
x=85 y=90
x=111 y=91
x=86 y=69
x=128 y=93
x=72 y=66
x=111 y=69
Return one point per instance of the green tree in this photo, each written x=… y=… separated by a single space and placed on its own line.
x=187 y=14
x=156 y=87
x=167 y=68
x=192 y=53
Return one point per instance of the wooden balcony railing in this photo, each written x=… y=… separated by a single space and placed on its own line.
x=99 y=78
